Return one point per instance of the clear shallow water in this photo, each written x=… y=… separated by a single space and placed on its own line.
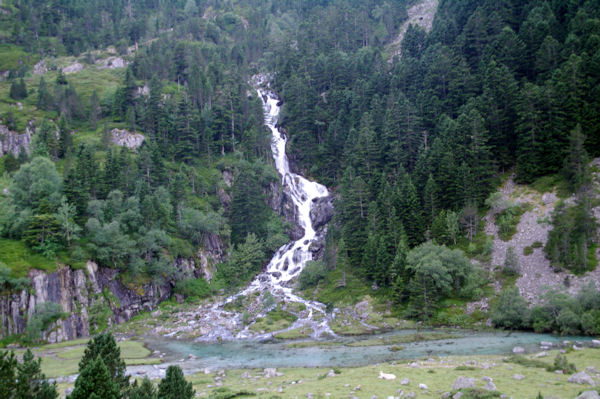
x=251 y=354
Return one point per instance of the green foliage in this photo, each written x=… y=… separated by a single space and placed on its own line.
x=10 y=283
x=95 y=381
x=145 y=390
x=435 y=272
x=105 y=347
x=511 y=311
x=246 y=260
x=24 y=380
x=174 y=385
x=508 y=219
x=561 y=363
x=312 y=274
x=511 y=263
x=193 y=288
x=46 y=313
x=99 y=316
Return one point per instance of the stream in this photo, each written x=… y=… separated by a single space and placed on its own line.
x=337 y=353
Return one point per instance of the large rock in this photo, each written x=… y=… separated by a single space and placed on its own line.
x=589 y=395
x=463 y=383
x=582 y=378
x=518 y=349
x=125 y=138
x=11 y=141
x=75 y=67
x=321 y=212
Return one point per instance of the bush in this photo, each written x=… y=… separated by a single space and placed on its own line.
x=511 y=263
x=561 y=363
x=313 y=273
x=45 y=314
x=193 y=288
x=511 y=311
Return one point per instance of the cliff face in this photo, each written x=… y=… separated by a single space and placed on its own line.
x=95 y=297
x=13 y=142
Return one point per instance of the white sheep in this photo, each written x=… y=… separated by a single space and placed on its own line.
x=385 y=376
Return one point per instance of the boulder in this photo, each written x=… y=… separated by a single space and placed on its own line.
x=423 y=387
x=125 y=138
x=405 y=381
x=490 y=386
x=321 y=212
x=581 y=378
x=589 y=395
x=518 y=377
x=463 y=383
x=518 y=349
x=457 y=395
x=271 y=372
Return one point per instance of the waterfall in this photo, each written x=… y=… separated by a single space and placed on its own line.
x=289 y=260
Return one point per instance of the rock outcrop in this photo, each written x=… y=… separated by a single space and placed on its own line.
x=77 y=291
x=13 y=142
x=125 y=138
x=95 y=295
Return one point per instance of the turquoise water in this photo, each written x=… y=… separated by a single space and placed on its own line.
x=251 y=354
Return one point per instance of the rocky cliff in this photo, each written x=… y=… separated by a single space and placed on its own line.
x=95 y=297
x=13 y=142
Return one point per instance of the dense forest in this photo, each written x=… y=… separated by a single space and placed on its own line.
x=412 y=145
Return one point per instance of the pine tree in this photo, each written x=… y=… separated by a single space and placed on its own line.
x=105 y=347
x=94 y=110
x=174 y=385
x=65 y=139
x=145 y=390
x=31 y=382
x=8 y=368
x=94 y=380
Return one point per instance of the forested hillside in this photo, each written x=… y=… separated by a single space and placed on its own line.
x=416 y=145
x=411 y=146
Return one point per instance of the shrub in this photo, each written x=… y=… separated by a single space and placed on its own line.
x=313 y=273
x=193 y=288
x=561 y=363
x=511 y=263
x=45 y=314
x=511 y=311
x=527 y=251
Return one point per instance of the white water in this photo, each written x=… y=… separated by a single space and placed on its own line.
x=289 y=260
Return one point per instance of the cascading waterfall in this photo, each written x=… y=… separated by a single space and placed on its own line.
x=290 y=259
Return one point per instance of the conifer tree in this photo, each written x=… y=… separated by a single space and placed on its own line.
x=174 y=385
x=105 y=347
x=94 y=380
x=31 y=382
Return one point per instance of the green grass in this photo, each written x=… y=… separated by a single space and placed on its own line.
x=11 y=56
x=63 y=358
x=275 y=320
x=20 y=259
x=296 y=333
x=438 y=377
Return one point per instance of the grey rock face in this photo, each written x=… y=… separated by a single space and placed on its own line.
x=125 y=138
x=13 y=142
x=321 y=212
x=76 y=291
